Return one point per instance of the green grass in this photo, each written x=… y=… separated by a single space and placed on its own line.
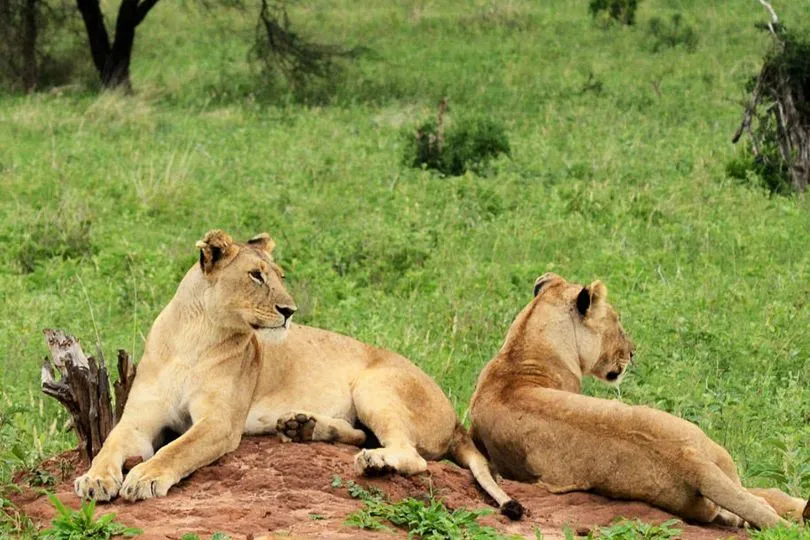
x=617 y=172
x=429 y=519
x=635 y=530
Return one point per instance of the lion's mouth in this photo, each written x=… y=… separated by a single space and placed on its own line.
x=613 y=375
x=262 y=327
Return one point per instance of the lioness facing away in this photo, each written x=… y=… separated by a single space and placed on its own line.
x=223 y=359
x=528 y=414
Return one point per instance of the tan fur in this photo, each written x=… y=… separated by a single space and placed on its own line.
x=535 y=426
x=208 y=372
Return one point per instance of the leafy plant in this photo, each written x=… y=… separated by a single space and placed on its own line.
x=781 y=532
x=428 y=520
x=672 y=34
x=638 y=530
x=787 y=465
x=621 y=11
x=625 y=529
x=468 y=144
x=82 y=524
x=777 y=115
x=13 y=523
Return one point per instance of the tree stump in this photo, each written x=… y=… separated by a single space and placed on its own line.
x=84 y=389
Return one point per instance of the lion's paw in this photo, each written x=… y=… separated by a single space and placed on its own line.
x=372 y=463
x=145 y=481
x=295 y=427
x=100 y=483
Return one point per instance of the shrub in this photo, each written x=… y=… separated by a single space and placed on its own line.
x=469 y=144
x=422 y=519
x=777 y=116
x=69 y=524
x=621 y=11
x=669 y=35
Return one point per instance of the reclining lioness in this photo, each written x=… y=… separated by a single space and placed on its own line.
x=528 y=414
x=223 y=359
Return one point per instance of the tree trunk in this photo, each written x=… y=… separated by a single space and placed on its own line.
x=84 y=389
x=112 y=61
x=116 y=68
x=97 y=36
x=29 y=45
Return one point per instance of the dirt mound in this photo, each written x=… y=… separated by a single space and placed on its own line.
x=266 y=488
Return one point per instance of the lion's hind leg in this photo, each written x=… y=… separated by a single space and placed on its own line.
x=782 y=503
x=300 y=426
x=398 y=453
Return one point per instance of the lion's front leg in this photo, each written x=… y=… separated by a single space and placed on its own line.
x=132 y=436
x=215 y=431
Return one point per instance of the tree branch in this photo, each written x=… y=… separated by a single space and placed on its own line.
x=143 y=10
x=774 y=18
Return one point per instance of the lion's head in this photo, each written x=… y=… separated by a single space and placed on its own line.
x=245 y=289
x=603 y=348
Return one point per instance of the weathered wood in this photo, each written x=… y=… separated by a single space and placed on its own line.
x=83 y=387
x=126 y=376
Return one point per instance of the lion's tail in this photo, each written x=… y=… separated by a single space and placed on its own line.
x=720 y=489
x=464 y=452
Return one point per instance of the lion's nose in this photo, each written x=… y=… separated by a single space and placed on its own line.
x=286 y=311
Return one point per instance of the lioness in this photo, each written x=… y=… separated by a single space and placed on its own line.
x=223 y=359
x=535 y=426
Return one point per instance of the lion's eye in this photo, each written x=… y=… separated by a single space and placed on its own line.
x=256 y=276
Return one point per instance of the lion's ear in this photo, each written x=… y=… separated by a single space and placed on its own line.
x=591 y=296
x=263 y=242
x=544 y=280
x=215 y=248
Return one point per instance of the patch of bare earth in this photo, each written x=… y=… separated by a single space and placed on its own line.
x=269 y=488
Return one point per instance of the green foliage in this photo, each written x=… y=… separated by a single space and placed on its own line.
x=781 y=532
x=429 y=519
x=786 y=465
x=624 y=529
x=215 y=536
x=767 y=170
x=469 y=144
x=780 y=114
x=621 y=11
x=671 y=34
x=637 y=530
x=14 y=524
x=82 y=524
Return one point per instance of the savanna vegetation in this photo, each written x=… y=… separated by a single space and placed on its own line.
x=618 y=141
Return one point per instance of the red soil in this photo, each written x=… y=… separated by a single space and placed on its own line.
x=267 y=488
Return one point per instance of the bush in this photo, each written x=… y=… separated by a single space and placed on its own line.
x=766 y=169
x=669 y=35
x=621 y=11
x=469 y=144
x=777 y=117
